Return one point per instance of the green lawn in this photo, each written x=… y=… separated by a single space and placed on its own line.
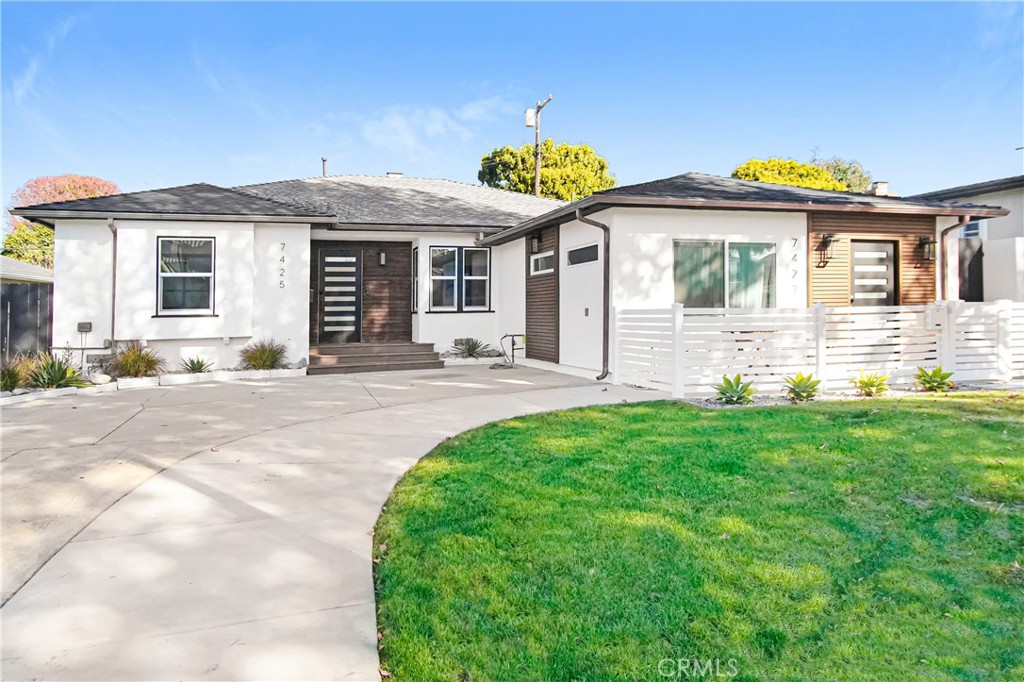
x=867 y=540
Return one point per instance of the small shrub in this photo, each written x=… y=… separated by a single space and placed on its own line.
x=470 y=348
x=735 y=391
x=870 y=384
x=10 y=378
x=264 y=354
x=934 y=380
x=26 y=365
x=56 y=373
x=196 y=365
x=802 y=387
x=136 y=361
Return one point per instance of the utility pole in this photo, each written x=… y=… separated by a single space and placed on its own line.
x=533 y=121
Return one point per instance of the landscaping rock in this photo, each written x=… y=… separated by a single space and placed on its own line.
x=98 y=378
x=20 y=391
x=5 y=394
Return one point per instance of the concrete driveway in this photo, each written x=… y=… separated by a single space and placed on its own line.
x=223 y=531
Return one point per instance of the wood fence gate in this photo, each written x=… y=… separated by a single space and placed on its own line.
x=26 y=311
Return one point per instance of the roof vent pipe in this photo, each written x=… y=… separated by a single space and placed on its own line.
x=395 y=174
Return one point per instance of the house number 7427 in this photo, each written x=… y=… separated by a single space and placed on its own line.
x=280 y=272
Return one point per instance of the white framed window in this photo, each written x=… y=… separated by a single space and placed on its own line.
x=581 y=255
x=542 y=263
x=721 y=274
x=185 y=275
x=460 y=279
x=975 y=228
x=444 y=277
x=476 y=279
x=415 y=277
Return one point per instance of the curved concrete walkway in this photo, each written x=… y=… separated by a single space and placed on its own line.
x=223 y=531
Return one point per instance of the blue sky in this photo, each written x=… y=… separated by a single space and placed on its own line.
x=153 y=95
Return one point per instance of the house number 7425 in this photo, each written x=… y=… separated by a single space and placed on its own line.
x=280 y=271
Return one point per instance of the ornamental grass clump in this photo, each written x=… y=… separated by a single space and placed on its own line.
x=10 y=378
x=136 y=360
x=264 y=354
x=470 y=348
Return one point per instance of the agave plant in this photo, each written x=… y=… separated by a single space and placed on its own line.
x=934 y=380
x=802 y=387
x=196 y=365
x=56 y=373
x=735 y=391
x=870 y=384
x=10 y=378
x=470 y=348
x=264 y=354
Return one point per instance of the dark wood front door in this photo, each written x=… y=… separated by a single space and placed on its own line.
x=340 y=296
x=872 y=272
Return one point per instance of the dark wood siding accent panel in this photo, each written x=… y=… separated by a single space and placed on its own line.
x=387 y=290
x=830 y=284
x=542 y=303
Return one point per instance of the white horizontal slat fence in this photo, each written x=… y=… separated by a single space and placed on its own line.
x=688 y=350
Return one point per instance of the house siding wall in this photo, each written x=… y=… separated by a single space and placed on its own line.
x=580 y=298
x=1003 y=248
x=542 y=303
x=830 y=282
x=247 y=268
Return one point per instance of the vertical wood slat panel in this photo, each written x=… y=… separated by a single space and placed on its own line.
x=387 y=290
x=830 y=283
x=542 y=303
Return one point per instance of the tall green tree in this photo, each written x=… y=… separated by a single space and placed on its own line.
x=567 y=171
x=850 y=173
x=33 y=243
x=788 y=172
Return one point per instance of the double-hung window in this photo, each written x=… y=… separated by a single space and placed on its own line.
x=185 y=275
x=460 y=279
x=720 y=274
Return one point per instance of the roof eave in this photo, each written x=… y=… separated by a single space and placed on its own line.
x=596 y=203
x=47 y=217
x=416 y=227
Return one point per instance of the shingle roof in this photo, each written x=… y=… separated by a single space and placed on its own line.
x=716 y=188
x=404 y=201
x=987 y=187
x=187 y=200
x=12 y=270
x=701 y=191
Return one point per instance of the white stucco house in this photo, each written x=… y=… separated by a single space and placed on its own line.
x=356 y=272
x=998 y=265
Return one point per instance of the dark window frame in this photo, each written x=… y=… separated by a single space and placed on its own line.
x=596 y=246
x=211 y=311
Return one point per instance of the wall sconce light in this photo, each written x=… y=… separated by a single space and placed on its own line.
x=535 y=243
x=382 y=257
x=826 y=249
x=927 y=247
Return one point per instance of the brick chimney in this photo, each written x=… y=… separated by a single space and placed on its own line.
x=880 y=188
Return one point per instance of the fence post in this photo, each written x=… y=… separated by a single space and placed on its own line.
x=947 y=312
x=1004 y=351
x=678 y=364
x=613 y=342
x=820 y=345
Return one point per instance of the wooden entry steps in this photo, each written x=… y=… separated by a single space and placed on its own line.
x=350 y=358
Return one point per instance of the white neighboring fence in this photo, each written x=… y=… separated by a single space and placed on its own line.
x=687 y=350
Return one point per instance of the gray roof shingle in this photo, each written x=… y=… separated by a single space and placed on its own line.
x=197 y=199
x=405 y=201
x=987 y=187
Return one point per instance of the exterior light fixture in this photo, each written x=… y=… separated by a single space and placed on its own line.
x=927 y=245
x=382 y=257
x=535 y=243
x=826 y=249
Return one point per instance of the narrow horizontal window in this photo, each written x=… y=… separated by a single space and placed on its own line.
x=584 y=254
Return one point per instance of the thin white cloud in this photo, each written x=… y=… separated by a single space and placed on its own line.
x=23 y=85
x=486 y=110
x=403 y=129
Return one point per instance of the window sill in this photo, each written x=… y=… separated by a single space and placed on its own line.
x=186 y=315
x=456 y=312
